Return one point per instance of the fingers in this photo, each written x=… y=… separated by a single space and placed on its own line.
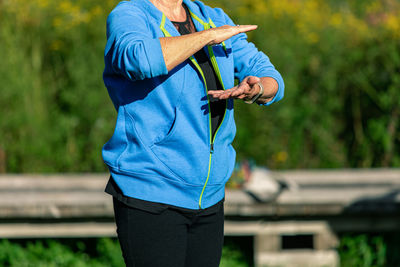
x=215 y=94
x=241 y=89
x=222 y=33
x=253 y=80
x=245 y=90
x=221 y=94
x=246 y=28
x=238 y=91
x=227 y=93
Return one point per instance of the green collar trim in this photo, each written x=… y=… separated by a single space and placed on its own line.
x=192 y=59
x=210 y=50
x=162 y=26
x=206 y=25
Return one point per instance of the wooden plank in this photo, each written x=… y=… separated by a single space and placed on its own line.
x=341 y=196
x=89 y=229
x=311 y=193
x=317 y=202
x=237 y=202
x=55 y=205
x=303 y=258
x=53 y=182
x=341 y=176
x=55 y=230
x=266 y=231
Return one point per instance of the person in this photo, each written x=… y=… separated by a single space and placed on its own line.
x=170 y=69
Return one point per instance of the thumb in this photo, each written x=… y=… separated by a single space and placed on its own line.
x=253 y=80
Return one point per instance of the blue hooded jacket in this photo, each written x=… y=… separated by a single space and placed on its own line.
x=162 y=149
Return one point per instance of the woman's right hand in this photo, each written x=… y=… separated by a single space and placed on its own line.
x=220 y=34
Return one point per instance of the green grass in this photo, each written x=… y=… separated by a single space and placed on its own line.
x=355 y=250
x=104 y=252
x=370 y=250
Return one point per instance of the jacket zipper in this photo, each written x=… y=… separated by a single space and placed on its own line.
x=212 y=138
x=216 y=69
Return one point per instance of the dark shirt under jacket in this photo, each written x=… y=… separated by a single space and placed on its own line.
x=154 y=207
x=217 y=106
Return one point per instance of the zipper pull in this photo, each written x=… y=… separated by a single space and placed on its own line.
x=212 y=148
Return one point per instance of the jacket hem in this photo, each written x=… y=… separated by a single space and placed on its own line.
x=166 y=191
x=115 y=169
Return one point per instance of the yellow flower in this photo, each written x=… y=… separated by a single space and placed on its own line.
x=374 y=7
x=312 y=37
x=57 y=22
x=96 y=11
x=336 y=19
x=392 y=23
x=43 y=3
x=56 y=45
x=281 y=156
x=65 y=6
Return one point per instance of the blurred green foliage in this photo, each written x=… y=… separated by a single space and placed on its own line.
x=372 y=249
x=104 y=252
x=53 y=253
x=340 y=61
x=362 y=250
x=355 y=250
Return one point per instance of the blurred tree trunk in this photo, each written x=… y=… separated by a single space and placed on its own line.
x=391 y=130
x=2 y=160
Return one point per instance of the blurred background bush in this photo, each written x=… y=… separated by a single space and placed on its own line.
x=340 y=61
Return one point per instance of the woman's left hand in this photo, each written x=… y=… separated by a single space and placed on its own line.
x=248 y=88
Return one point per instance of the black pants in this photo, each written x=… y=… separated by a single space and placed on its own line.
x=169 y=239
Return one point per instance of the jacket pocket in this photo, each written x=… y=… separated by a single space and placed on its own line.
x=170 y=132
x=183 y=152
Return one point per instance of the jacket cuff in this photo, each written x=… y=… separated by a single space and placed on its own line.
x=155 y=57
x=281 y=87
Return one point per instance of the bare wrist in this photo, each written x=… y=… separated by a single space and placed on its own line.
x=210 y=36
x=256 y=97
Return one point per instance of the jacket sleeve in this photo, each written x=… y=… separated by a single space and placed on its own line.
x=131 y=50
x=249 y=61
